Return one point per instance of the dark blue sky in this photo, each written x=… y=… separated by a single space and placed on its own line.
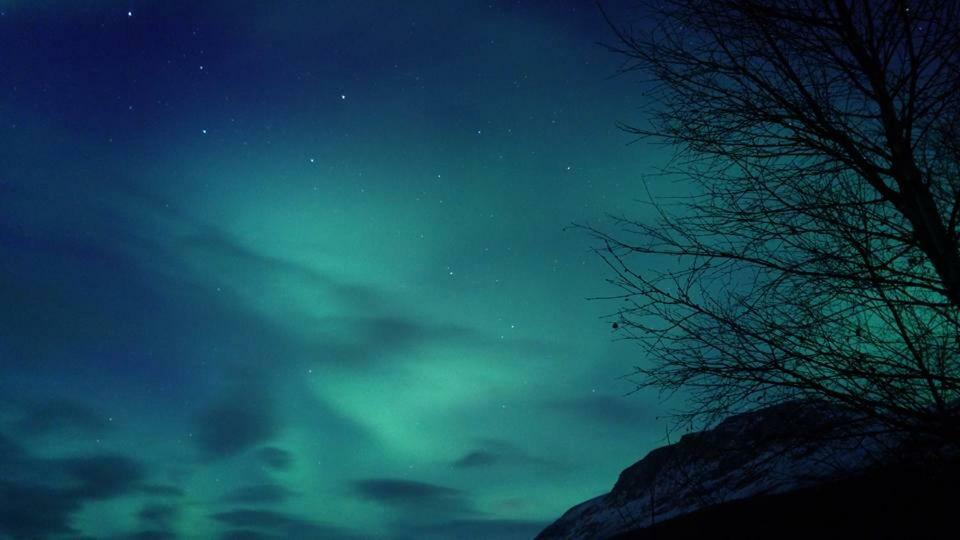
x=299 y=269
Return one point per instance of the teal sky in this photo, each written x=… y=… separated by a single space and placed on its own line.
x=300 y=269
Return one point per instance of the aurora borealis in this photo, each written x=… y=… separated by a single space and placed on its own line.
x=302 y=269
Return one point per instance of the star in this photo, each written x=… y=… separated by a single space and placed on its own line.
x=343 y=96
x=203 y=131
x=129 y=14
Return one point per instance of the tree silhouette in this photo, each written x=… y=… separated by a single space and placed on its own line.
x=818 y=256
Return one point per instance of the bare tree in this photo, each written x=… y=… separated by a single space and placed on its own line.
x=818 y=256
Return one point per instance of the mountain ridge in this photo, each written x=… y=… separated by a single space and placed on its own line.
x=747 y=455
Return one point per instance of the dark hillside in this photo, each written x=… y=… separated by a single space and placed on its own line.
x=905 y=502
x=745 y=478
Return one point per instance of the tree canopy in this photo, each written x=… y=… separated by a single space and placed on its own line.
x=818 y=257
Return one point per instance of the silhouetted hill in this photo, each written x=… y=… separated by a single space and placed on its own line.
x=750 y=477
x=895 y=503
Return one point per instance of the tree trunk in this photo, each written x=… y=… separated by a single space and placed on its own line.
x=932 y=236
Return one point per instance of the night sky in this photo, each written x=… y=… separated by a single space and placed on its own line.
x=299 y=269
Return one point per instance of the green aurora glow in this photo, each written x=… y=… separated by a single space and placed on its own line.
x=320 y=287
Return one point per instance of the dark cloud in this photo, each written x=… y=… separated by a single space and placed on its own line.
x=275 y=458
x=255 y=524
x=61 y=417
x=263 y=519
x=361 y=341
x=496 y=453
x=102 y=477
x=161 y=490
x=391 y=333
x=246 y=534
x=39 y=496
x=238 y=421
x=10 y=451
x=407 y=494
x=388 y=489
x=33 y=511
x=479 y=529
x=260 y=493
x=149 y=535
x=478 y=458
x=159 y=515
